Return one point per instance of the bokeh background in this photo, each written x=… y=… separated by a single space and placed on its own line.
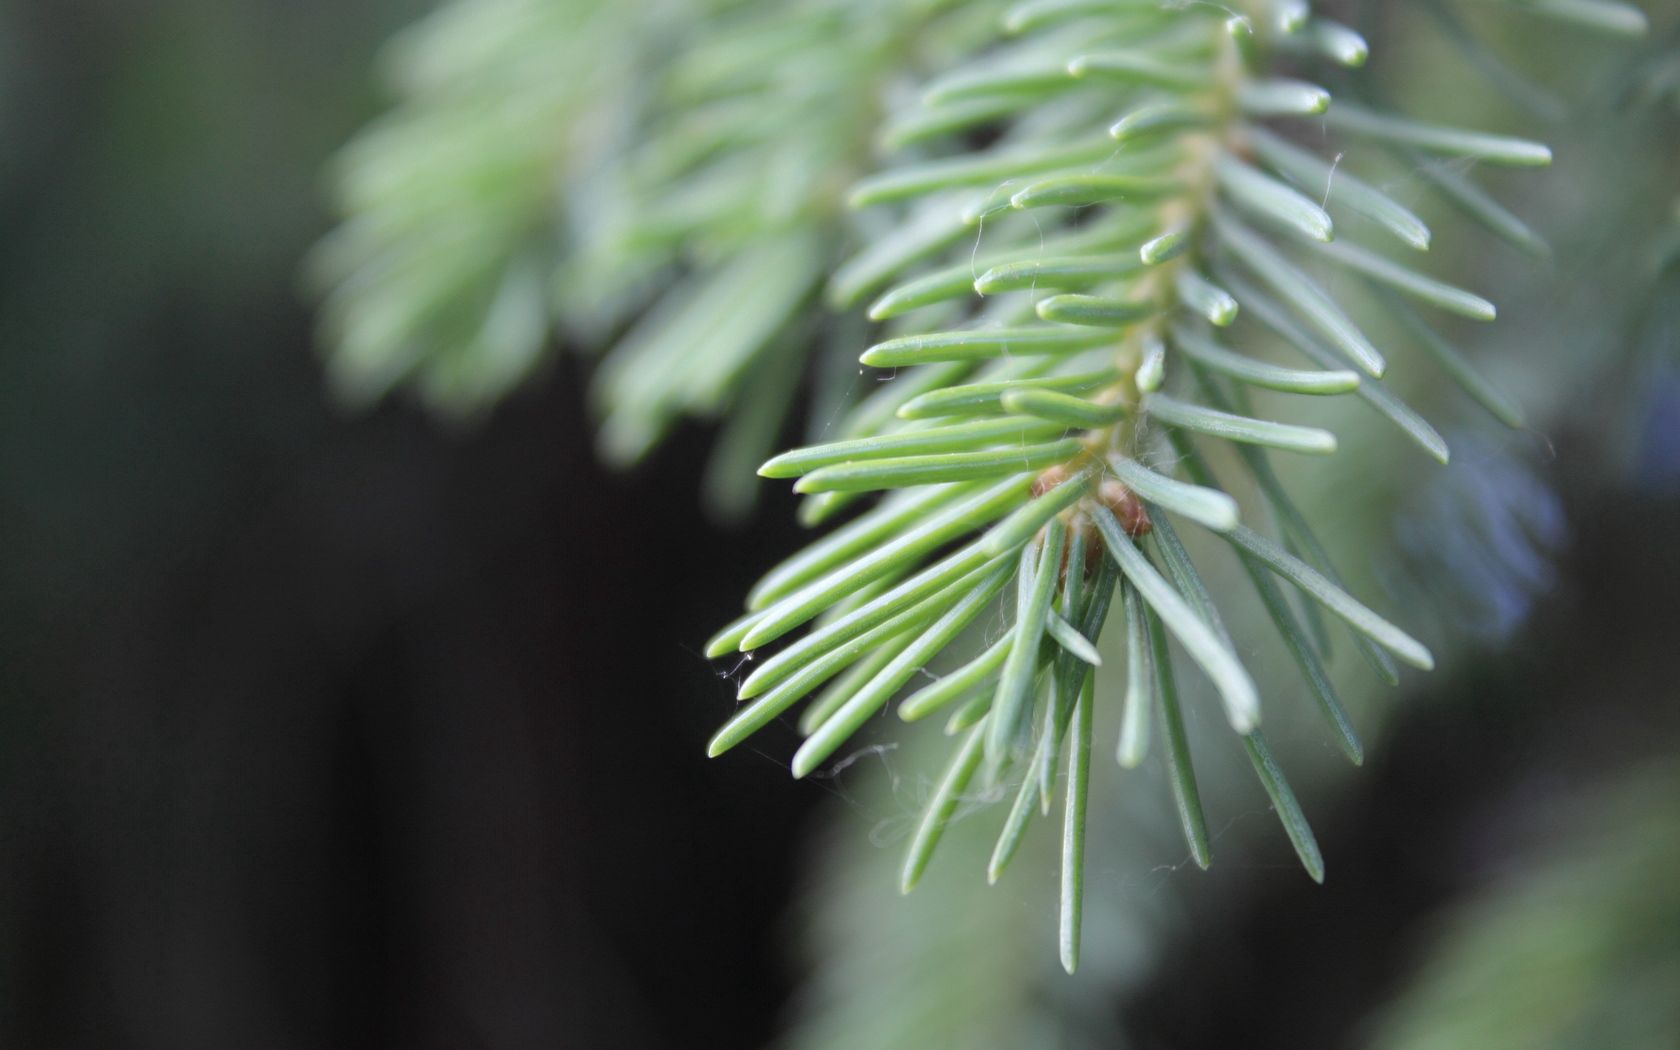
x=335 y=729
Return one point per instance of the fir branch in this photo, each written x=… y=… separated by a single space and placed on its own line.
x=1205 y=204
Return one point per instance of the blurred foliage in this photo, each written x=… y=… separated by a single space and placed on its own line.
x=442 y=273
x=1577 y=945
x=685 y=170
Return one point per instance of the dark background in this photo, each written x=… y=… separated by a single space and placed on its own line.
x=324 y=730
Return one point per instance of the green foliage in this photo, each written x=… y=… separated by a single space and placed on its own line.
x=440 y=276
x=663 y=179
x=1109 y=236
x=1202 y=218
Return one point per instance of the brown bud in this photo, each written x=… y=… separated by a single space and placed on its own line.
x=1127 y=508
x=1049 y=479
x=1093 y=548
x=1093 y=542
